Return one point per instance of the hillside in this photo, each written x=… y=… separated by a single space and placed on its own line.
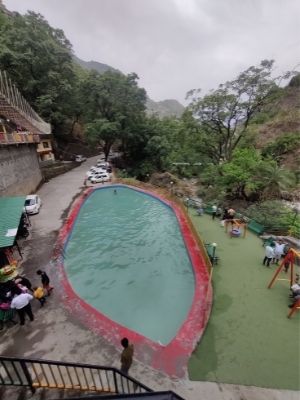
x=279 y=129
x=165 y=108
x=94 y=65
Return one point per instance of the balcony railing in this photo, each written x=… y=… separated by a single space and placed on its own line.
x=18 y=138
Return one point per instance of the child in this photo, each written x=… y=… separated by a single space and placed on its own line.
x=45 y=281
x=38 y=293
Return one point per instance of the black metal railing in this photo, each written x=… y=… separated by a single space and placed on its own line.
x=165 y=395
x=65 y=375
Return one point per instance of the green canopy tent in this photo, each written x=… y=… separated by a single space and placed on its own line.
x=11 y=209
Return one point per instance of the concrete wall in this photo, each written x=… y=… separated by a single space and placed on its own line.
x=19 y=170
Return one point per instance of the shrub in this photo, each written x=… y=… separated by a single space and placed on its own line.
x=282 y=145
x=275 y=216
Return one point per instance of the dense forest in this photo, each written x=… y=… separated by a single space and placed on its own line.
x=231 y=139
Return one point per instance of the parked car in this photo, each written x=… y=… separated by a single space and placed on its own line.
x=102 y=164
x=100 y=178
x=33 y=204
x=94 y=171
x=80 y=158
x=109 y=169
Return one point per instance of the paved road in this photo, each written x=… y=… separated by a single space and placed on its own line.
x=56 y=335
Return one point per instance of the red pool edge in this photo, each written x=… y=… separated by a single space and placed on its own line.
x=172 y=358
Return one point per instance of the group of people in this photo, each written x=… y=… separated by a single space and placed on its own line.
x=18 y=293
x=227 y=214
x=274 y=252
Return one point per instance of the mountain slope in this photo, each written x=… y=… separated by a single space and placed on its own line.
x=165 y=108
x=280 y=129
x=94 y=65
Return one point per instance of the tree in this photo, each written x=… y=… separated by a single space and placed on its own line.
x=224 y=114
x=38 y=59
x=275 y=179
x=103 y=133
x=114 y=105
x=275 y=216
x=240 y=175
x=248 y=176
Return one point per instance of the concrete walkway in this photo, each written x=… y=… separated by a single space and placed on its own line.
x=56 y=335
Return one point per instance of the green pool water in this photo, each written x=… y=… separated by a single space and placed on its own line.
x=126 y=257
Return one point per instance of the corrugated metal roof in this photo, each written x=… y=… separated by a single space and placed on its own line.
x=11 y=209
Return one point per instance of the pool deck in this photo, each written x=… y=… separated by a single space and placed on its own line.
x=56 y=334
x=249 y=340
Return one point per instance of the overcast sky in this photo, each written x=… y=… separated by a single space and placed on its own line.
x=177 y=45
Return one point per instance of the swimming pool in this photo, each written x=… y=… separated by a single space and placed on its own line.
x=171 y=358
x=126 y=257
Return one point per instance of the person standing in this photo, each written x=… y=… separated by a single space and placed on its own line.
x=21 y=302
x=126 y=355
x=45 y=281
x=214 y=211
x=39 y=294
x=269 y=254
x=231 y=213
x=278 y=251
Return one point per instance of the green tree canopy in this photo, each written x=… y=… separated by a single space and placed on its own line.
x=38 y=59
x=224 y=114
x=249 y=176
x=115 y=104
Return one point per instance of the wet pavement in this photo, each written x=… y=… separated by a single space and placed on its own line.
x=56 y=335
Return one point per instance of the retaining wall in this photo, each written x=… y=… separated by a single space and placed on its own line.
x=20 y=172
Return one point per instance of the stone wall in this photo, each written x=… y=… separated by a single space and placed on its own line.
x=20 y=173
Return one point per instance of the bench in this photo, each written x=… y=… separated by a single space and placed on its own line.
x=256 y=227
x=210 y=250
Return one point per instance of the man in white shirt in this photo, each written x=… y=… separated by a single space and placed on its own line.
x=21 y=302
x=269 y=254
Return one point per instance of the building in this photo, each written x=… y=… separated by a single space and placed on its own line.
x=20 y=130
x=45 y=148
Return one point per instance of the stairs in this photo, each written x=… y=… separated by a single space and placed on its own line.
x=73 y=381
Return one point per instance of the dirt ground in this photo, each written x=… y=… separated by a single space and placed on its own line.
x=56 y=335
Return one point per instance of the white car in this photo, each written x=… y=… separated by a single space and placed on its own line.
x=100 y=178
x=80 y=158
x=102 y=164
x=33 y=204
x=95 y=171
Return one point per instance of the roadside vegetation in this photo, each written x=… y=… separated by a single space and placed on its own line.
x=223 y=138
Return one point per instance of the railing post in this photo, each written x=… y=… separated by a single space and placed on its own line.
x=115 y=382
x=27 y=375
